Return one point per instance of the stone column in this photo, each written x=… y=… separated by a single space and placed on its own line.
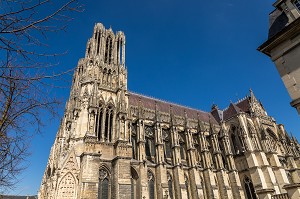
x=176 y=162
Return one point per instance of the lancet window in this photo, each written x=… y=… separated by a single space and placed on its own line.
x=250 y=192
x=170 y=185
x=98 y=126
x=104 y=123
x=196 y=142
x=167 y=143
x=151 y=185
x=108 y=50
x=134 y=184
x=67 y=187
x=108 y=124
x=236 y=141
x=182 y=147
x=98 y=40
x=186 y=182
x=150 y=142
x=104 y=184
x=120 y=51
x=134 y=141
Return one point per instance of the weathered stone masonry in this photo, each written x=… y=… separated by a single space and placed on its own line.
x=113 y=143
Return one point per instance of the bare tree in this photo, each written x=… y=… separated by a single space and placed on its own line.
x=27 y=74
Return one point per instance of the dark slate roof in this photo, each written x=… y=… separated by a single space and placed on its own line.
x=167 y=107
x=277 y=21
x=235 y=108
x=17 y=197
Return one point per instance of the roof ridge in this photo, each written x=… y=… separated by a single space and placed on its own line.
x=165 y=101
x=236 y=103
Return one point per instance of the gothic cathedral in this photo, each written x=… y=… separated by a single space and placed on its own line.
x=114 y=144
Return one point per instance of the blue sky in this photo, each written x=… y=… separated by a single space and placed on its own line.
x=191 y=52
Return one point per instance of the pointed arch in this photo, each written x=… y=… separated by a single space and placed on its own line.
x=99 y=119
x=187 y=186
x=272 y=134
x=151 y=185
x=182 y=143
x=104 y=185
x=108 y=49
x=109 y=123
x=134 y=184
x=170 y=185
x=249 y=188
x=67 y=187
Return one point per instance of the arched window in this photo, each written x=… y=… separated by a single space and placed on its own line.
x=182 y=147
x=67 y=186
x=133 y=140
x=151 y=185
x=108 y=124
x=134 y=185
x=250 y=192
x=186 y=182
x=150 y=142
x=170 y=185
x=167 y=143
x=119 y=51
x=98 y=124
x=97 y=38
x=103 y=186
x=235 y=140
x=108 y=50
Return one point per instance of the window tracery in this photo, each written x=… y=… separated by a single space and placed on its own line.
x=170 y=185
x=67 y=187
x=167 y=143
x=134 y=185
x=151 y=185
x=250 y=192
x=182 y=147
x=103 y=123
x=186 y=182
x=150 y=142
x=108 y=50
x=103 y=186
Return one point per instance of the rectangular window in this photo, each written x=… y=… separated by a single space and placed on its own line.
x=297 y=4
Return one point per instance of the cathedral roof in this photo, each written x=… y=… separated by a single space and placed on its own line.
x=168 y=107
x=235 y=108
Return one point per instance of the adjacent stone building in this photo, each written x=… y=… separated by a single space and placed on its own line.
x=116 y=144
x=283 y=45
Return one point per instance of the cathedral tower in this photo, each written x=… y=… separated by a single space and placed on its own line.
x=92 y=142
x=115 y=144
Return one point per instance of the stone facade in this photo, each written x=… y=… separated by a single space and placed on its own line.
x=113 y=143
x=283 y=45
